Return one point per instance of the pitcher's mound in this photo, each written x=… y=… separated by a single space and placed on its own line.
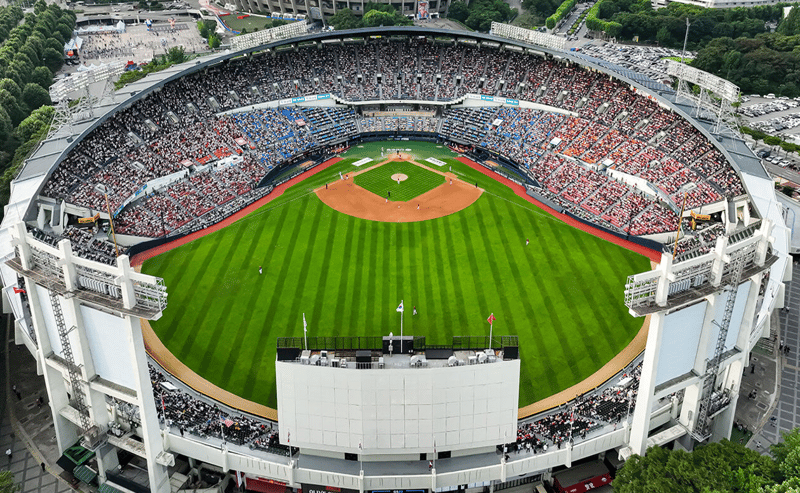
x=399 y=177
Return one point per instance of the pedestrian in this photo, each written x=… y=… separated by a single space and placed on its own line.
x=451 y=181
x=417 y=206
x=527 y=241
x=326 y=186
x=390 y=193
x=260 y=270
x=430 y=464
x=415 y=309
x=752 y=368
x=476 y=184
x=43 y=467
x=180 y=428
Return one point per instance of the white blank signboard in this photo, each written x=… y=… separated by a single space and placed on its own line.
x=397 y=410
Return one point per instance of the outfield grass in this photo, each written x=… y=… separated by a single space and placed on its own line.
x=562 y=294
x=379 y=181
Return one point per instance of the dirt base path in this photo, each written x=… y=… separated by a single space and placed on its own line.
x=348 y=198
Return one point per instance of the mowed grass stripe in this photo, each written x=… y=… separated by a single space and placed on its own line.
x=369 y=274
x=216 y=255
x=495 y=251
x=516 y=254
x=322 y=264
x=430 y=303
x=357 y=321
x=455 y=269
x=593 y=274
x=248 y=314
x=344 y=277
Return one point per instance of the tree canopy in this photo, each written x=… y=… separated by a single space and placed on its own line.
x=375 y=14
x=479 y=14
x=31 y=51
x=667 y=26
x=723 y=467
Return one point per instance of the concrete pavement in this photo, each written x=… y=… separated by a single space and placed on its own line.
x=25 y=427
x=785 y=416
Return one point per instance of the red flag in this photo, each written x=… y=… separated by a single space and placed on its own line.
x=491 y=319
x=18 y=290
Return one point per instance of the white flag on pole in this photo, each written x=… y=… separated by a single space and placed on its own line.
x=400 y=308
x=305 y=325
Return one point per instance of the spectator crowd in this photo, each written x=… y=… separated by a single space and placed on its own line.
x=211 y=157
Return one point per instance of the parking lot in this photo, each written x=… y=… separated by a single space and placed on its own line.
x=648 y=60
x=771 y=115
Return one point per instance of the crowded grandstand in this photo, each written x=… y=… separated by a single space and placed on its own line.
x=589 y=138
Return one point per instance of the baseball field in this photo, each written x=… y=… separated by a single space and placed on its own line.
x=561 y=294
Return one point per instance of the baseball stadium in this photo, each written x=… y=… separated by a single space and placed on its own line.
x=392 y=257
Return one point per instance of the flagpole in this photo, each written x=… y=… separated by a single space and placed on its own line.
x=305 y=331
x=490 y=335
x=401 y=327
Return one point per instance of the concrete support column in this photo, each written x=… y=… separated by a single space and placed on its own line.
x=647 y=385
x=662 y=291
x=66 y=431
x=159 y=481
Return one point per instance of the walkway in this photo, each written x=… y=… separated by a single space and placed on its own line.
x=25 y=428
x=786 y=415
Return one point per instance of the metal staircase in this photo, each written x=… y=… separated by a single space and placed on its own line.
x=702 y=429
x=75 y=379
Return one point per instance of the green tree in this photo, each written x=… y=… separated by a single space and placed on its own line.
x=458 y=11
x=345 y=19
x=213 y=41
x=201 y=27
x=12 y=87
x=52 y=59
x=716 y=467
x=791 y=24
x=12 y=107
x=34 y=123
x=42 y=76
x=7 y=484
x=34 y=96
x=65 y=30
x=664 y=37
x=6 y=128
x=375 y=18
x=479 y=21
x=176 y=55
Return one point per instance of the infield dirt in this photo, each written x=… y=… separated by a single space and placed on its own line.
x=348 y=198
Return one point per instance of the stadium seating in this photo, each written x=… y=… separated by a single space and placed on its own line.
x=183 y=133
